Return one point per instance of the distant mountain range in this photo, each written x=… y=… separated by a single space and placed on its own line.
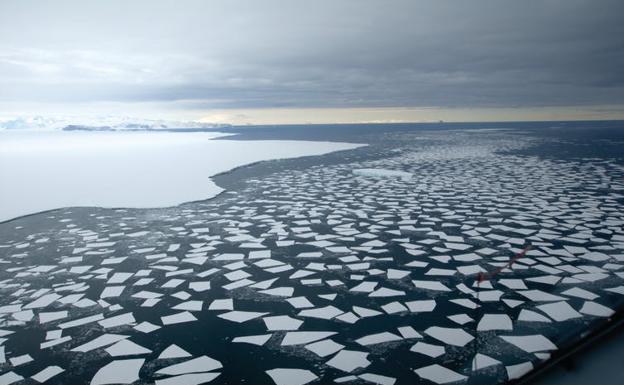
x=106 y=123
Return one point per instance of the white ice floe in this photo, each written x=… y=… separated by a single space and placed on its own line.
x=518 y=370
x=258 y=340
x=125 y=169
x=282 y=322
x=596 y=309
x=241 y=316
x=495 y=322
x=324 y=348
x=118 y=372
x=349 y=360
x=381 y=173
x=559 y=311
x=173 y=351
x=439 y=374
x=428 y=349
x=450 y=336
x=531 y=343
x=177 y=318
x=291 y=376
x=378 y=338
x=126 y=348
x=195 y=365
x=47 y=373
x=298 y=338
x=188 y=379
x=481 y=361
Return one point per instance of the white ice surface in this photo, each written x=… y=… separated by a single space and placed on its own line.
x=53 y=169
x=381 y=173
x=291 y=376
x=118 y=372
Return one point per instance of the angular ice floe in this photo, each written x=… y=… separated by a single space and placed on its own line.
x=450 y=336
x=327 y=312
x=428 y=349
x=298 y=338
x=518 y=370
x=540 y=296
x=199 y=364
x=481 y=361
x=382 y=173
x=596 y=309
x=258 y=340
x=9 y=378
x=349 y=360
x=188 y=379
x=282 y=322
x=495 y=322
x=439 y=374
x=47 y=373
x=177 y=318
x=430 y=285
x=118 y=320
x=291 y=376
x=173 y=351
x=221 y=304
x=421 y=305
x=126 y=348
x=324 y=348
x=118 y=372
x=98 y=342
x=378 y=338
x=241 y=316
x=559 y=311
x=531 y=343
x=531 y=316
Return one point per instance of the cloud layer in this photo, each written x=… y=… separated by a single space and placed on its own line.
x=313 y=54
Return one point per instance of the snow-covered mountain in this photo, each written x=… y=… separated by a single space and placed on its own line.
x=108 y=123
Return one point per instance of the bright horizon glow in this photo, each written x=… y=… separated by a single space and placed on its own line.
x=95 y=113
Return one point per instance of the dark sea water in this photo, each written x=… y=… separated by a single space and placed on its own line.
x=479 y=194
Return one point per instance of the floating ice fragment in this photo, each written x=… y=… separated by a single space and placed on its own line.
x=531 y=343
x=439 y=374
x=298 y=338
x=188 y=379
x=173 y=351
x=382 y=173
x=450 y=336
x=47 y=373
x=126 y=348
x=291 y=376
x=118 y=372
x=199 y=364
x=349 y=360
x=258 y=340
x=428 y=349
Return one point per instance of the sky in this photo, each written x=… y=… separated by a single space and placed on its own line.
x=322 y=61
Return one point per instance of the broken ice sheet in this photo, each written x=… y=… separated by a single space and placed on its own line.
x=439 y=374
x=173 y=351
x=188 y=379
x=118 y=372
x=291 y=376
x=199 y=364
x=349 y=360
x=258 y=340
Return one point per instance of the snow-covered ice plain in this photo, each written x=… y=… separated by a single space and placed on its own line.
x=305 y=272
x=53 y=169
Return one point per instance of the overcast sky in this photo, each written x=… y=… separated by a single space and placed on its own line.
x=260 y=61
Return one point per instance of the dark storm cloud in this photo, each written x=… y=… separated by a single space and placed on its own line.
x=315 y=53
